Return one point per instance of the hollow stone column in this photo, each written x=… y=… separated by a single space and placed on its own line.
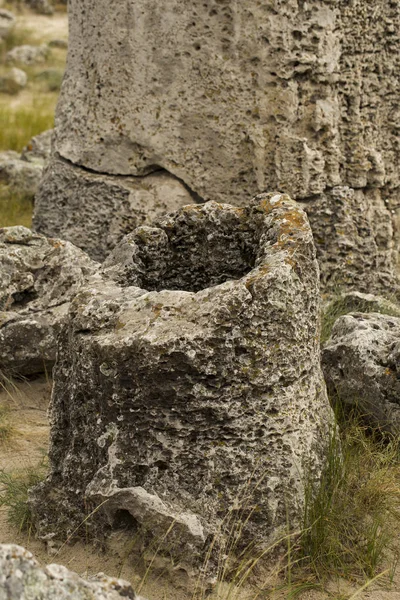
x=188 y=384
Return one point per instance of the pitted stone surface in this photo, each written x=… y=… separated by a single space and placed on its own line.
x=188 y=391
x=22 y=578
x=236 y=98
x=361 y=364
x=95 y=211
x=38 y=278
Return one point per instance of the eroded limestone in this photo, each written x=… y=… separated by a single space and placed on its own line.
x=188 y=391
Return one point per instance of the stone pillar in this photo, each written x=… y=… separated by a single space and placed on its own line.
x=188 y=391
x=233 y=98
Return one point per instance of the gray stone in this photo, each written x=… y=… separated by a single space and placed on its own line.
x=22 y=176
x=237 y=98
x=361 y=364
x=38 y=278
x=13 y=81
x=22 y=578
x=95 y=211
x=7 y=22
x=38 y=150
x=355 y=240
x=28 y=55
x=188 y=392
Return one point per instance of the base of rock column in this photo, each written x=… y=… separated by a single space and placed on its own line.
x=94 y=211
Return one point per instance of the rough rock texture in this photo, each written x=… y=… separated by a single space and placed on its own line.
x=28 y=55
x=23 y=173
x=22 y=176
x=38 y=278
x=188 y=387
x=361 y=364
x=95 y=211
x=13 y=81
x=38 y=150
x=236 y=98
x=22 y=578
x=7 y=22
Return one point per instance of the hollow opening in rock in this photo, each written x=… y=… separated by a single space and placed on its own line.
x=122 y=519
x=199 y=249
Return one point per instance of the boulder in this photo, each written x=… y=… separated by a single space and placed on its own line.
x=188 y=395
x=22 y=578
x=28 y=55
x=361 y=363
x=95 y=211
x=38 y=279
x=38 y=150
x=7 y=22
x=22 y=176
x=13 y=81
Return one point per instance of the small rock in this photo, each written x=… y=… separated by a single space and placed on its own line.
x=22 y=176
x=361 y=363
x=38 y=150
x=13 y=81
x=28 y=55
x=38 y=278
x=7 y=22
x=21 y=577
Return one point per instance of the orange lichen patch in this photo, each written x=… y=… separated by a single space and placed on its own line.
x=57 y=243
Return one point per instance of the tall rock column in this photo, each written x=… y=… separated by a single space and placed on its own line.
x=231 y=98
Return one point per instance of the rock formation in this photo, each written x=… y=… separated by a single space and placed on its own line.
x=38 y=278
x=22 y=578
x=361 y=364
x=188 y=386
x=22 y=173
x=236 y=98
x=95 y=211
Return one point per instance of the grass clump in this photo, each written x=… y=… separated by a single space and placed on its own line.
x=15 y=208
x=14 y=488
x=346 y=303
x=350 y=520
x=6 y=429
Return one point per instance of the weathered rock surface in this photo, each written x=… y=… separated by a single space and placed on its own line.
x=38 y=150
x=237 y=98
x=23 y=173
x=13 y=81
x=22 y=176
x=22 y=578
x=28 y=55
x=95 y=211
x=7 y=22
x=38 y=278
x=355 y=240
x=188 y=392
x=361 y=364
